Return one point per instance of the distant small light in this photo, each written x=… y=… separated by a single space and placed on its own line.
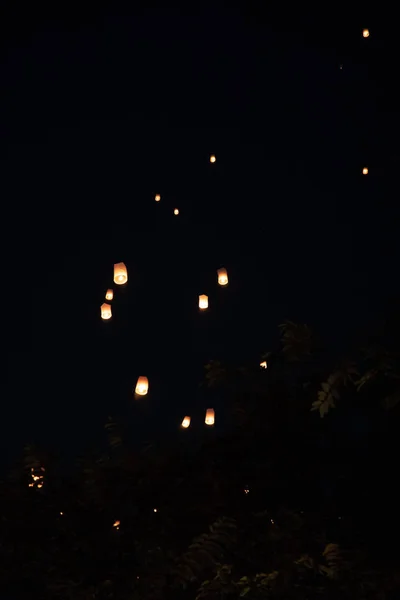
x=365 y=33
x=176 y=211
x=213 y=159
x=263 y=364
x=273 y=522
x=246 y=490
x=61 y=513
x=155 y=509
x=117 y=524
x=365 y=171
x=157 y=198
x=341 y=67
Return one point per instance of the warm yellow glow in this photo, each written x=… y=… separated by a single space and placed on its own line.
x=155 y=510
x=212 y=158
x=365 y=33
x=142 y=386
x=222 y=277
x=120 y=273
x=263 y=364
x=157 y=198
x=186 y=422
x=176 y=211
x=37 y=477
x=61 y=513
x=109 y=294
x=203 y=302
x=105 y=311
x=365 y=171
x=117 y=524
x=210 y=416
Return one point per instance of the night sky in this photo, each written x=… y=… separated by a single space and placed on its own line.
x=98 y=114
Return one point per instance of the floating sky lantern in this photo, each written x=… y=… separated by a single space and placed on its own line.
x=109 y=294
x=106 y=311
x=365 y=171
x=186 y=422
x=365 y=33
x=263 y=364
x=142 y=386
x=116 y=524
x=176 y=211
x=203 y=302
x=157 y=198
x=210 y=416
x=222 y=277
x=120 y=273
x=212 y=158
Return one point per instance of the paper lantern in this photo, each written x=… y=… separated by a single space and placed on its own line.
x=120 y=273
x=176 y=211
x=157 y=198
x=365 y=171
x=109 y=295
x=203 y=302
x=210 y=416
x=222 y=277
x=186 y=422
x=142 y=386
x=365 y=33
x=117 y=524
x=105 y=311
x=263 y=364
x=212 y=159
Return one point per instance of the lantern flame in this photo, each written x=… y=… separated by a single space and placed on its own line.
x=176 y=211
x=222 y=277
x=109 y=294
x=263 y=364
x=365 y=33
x=142 y=386
x=120 y=273
x=365 y=171
x=213 y=158
x=157 y=198
x=210 y=416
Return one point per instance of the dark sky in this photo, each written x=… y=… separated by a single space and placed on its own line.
x=98 y=113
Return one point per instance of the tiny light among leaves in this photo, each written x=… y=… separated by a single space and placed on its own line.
x=142 y=386
x=203 y=302
x=263 y=364
x=365 y=33
x=365 y=171
x=185 y=423
x=176 y=211
x=109 y=294
x=157 y=198
x=120 y=273
x=222 y=276
x=213 y=158
x=105 y=311
x=210 y=416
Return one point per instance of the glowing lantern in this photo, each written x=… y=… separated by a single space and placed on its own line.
x=212 y=158
x=365 y=171
x=365 y=33
x=263 y=365
x=120 y=274
x=203 y=302
x=176 y=211
x=222 y=277
x=117 y=524
x=186 y=422
x=105 y=311
x=109 y=295
x=142 y=386
x=210 y=416
x=157 y=198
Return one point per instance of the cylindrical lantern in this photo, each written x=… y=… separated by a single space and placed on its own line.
x=109 y=294
x=157 y=198
x=222 y=277
x=365 y=33
x=105 y=311
x=186 y=422
x=120 y=273
x=203 y=302
x=365 y=171
x=212 y=159
x=142 y=386
x=210 y=416
x=176 y=211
